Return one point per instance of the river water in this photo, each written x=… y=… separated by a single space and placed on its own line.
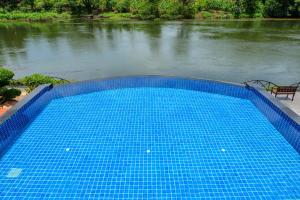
x=225 y=50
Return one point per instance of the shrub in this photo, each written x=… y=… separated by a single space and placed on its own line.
x=7 y=93
x=33 y=81
x=5 y=76
x=170 y=8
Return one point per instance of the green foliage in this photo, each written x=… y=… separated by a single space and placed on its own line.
x=237 y=9
x=225 y=5
x=43 y=5
x=117 y=16
x=5 y=92
x=36 y=16
x=120 y=5
x=33 y=81
x=214 y=5
x=295 y=9
x=61 y=5
x=260 y=9
x=9 y=4
x=146 y=9
x=27 y=5
x=170 y=9
x=206 y=14
x=8 y=94
x=276 y=8
x=251 y=7
x=88 y=5
x=5 y=76
x=103 y=5
x=199 y=5
x=188 y=10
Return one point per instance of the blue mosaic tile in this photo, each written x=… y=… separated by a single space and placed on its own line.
x=149 y=137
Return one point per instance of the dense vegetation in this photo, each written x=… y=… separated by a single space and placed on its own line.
x=7 y=92
x=152 y=8
x=8 y=84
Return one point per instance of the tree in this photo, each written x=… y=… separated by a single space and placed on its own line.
x=277 y=8
x=9 y=4
x=251 y=7
x=144 y=8
x=237 y=9
x=295 y=9
x=89 y=5
x=29 y=3
x=170 y=8
x=188 y=10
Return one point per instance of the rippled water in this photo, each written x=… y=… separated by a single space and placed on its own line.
x=226 y=50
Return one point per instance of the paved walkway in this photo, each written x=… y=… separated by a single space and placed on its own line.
x=9 y=104
x=293 y=105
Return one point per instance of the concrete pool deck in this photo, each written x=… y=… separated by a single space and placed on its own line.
x=293 y=105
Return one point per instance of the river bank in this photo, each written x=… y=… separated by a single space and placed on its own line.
x=113 y=16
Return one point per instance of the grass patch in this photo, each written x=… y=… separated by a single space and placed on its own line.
x=117 y=16
x=214 y=14
x=33 y=16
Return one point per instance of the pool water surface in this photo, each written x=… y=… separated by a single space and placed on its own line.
x=150 y=143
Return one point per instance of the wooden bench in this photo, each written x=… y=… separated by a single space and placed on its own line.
x=284 y=90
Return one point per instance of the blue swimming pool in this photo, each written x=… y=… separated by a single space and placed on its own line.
x=149 y=138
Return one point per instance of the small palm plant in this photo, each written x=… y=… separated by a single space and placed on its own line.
x=7 y=92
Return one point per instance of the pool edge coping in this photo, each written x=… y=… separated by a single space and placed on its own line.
x=153 y=76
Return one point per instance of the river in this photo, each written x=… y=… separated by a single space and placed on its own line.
x=225 y=50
